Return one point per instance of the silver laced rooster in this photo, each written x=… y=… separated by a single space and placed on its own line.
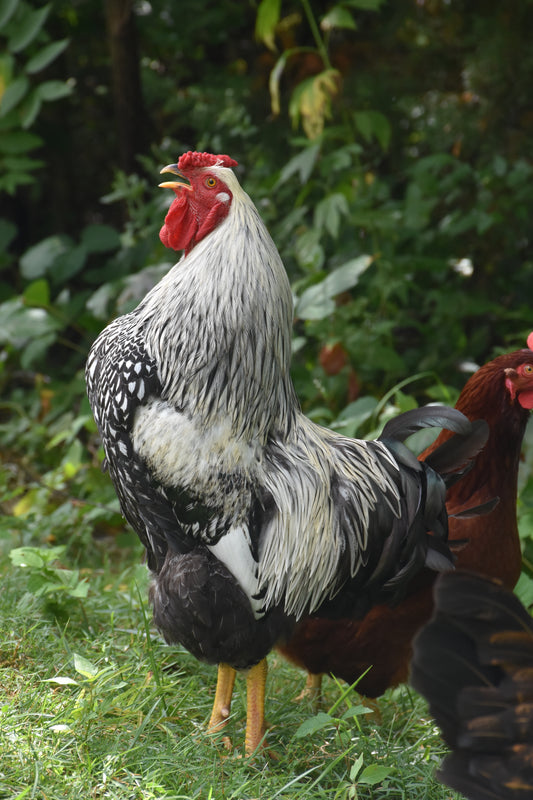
x=251 y=515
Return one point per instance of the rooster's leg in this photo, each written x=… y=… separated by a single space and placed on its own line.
x=222 y=703
x=312 y=689
x=255 y=699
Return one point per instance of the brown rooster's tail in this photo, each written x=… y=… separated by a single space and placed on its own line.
x=474 y=664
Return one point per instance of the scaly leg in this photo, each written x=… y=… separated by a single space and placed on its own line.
x=255 y=704
x=222 y=703
x=311 y=690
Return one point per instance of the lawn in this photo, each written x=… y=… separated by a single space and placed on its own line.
x=95 y=705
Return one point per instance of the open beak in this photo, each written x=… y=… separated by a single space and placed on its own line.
x=174 y=184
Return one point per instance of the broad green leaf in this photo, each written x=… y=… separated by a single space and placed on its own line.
x=303 y=164
x=100 y=238
x=314 y=724
x=364 y=5
x=38 y=260
x=524 y=590
x=356 y=711
x=13 y=94
x=61 y=681
x=316 y=302
x=373 y=124
x=338 y=17
x=37 y=293
x=27 y=30
x=53 y=90
x=45 y=56
x=8 y=231
x=19 y=142
x=30 y=109
x=329 y=211
x=26 y=557
x=84 y=667
x=373 y=774
x=7 y=7
x=266 y=21
x=69 y=264
x=37 y=347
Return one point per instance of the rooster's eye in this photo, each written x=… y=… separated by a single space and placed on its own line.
x=210 y=182
x=528 y=369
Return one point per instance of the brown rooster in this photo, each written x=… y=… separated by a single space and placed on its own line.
x=500 y=392
x=474 y=664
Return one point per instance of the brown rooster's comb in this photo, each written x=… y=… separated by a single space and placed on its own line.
x=192 y=160
x=530 y=341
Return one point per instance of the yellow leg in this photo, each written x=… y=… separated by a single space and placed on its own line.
x=255 y=704
x=311 y=690
x=222 y=703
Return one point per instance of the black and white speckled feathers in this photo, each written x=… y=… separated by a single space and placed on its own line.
x=251 y=515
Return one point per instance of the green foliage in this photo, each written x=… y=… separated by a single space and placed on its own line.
x=26 y=52
x=45 y=577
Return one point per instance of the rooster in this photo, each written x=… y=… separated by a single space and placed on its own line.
x=251 y=515
x=474 y=664
x=379 y=645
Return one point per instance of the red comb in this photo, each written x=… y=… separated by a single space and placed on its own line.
x=193 y=160
x=530 y=341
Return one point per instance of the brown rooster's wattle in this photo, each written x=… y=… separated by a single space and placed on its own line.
x=380 y=644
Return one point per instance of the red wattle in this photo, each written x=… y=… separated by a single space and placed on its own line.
x=526 y=399
x=181 y=224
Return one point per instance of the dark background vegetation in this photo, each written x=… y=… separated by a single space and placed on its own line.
x=387 y=145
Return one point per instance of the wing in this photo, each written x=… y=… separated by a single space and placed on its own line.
x=474 y=663
x=121 y=378
x=169 y=474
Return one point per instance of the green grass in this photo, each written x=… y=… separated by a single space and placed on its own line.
x=92 y=707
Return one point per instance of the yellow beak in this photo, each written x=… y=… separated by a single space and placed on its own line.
x=173 y=184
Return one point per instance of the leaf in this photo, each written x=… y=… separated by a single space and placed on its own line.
x=36 y=350
x=356 y=711
x=329 y=211
x=53 y=90
x=312 y=101
x=28 y=28
x=8 y=231
x=364 y=5
x=19 y=142
x=303 y=164
x=61 y=681
x=524 y=590
x=316 y=302
x=277 y=72
x=45 y=56
x=39 y=259
x=37 y=293
x=13 y=94
x=69 y=264
x=30 y=110
x=314 y=724
x=100 y=238
x=26 y=557
x=84 y=667
x=266 y=21
x=373 y=774
x=338 y=17
x=7 y=7
x=373 y=124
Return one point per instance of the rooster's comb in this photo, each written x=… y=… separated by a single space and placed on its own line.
x=192 y=160
x=530 y=341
